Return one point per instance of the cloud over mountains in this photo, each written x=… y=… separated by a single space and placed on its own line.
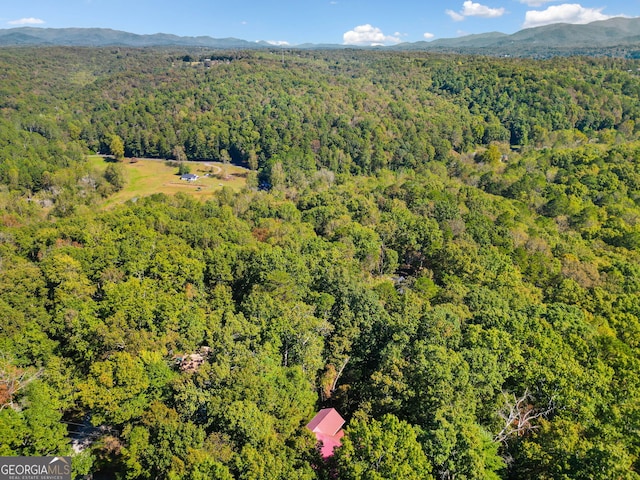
x=368 y=35
x=473 y=9
x=26 y=21
x=565 y=13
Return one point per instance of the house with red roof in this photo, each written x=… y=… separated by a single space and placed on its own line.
x=327 y=427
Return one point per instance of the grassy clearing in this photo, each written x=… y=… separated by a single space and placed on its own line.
x=146 y=177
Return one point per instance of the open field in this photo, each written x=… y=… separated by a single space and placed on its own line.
x=149 y=176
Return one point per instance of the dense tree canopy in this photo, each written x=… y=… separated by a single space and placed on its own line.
x=445 y=249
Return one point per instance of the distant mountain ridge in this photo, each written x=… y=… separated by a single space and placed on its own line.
x=618 y=33
x=614 y=32
x=103 y=37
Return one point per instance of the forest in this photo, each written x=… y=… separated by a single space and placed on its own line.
x=444 y=248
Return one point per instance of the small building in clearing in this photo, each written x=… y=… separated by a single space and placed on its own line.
x=189 y=177
x=327 y=427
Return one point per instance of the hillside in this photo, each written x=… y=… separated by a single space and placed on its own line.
x=616 y=36
x=95 y=37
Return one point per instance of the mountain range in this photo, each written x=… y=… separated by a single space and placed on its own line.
x=622 y=34
x=617 y=36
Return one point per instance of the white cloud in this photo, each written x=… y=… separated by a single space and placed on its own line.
x=473 y=9
x=535 y=3
x=368 y=35
x=278 y=43
x=26 y=21
x=428 y=35
x=565 y=13
x=455 y=16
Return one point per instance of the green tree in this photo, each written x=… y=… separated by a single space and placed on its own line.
x=491 y=155
x=116 y=389
x=183 y=168
x=32 y=424
x=277 y=176
x=115 y=175
x=178 y=154
x=116 y=147
x=381 y=449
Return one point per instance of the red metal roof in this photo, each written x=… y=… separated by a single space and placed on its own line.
x=326 y=425
x=329 y=442
x=327 y=421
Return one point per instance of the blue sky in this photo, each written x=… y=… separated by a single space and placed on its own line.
x=356 y=22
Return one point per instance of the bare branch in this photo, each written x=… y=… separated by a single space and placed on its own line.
x=14 y=379
x=335 y=381
x=518 y=415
